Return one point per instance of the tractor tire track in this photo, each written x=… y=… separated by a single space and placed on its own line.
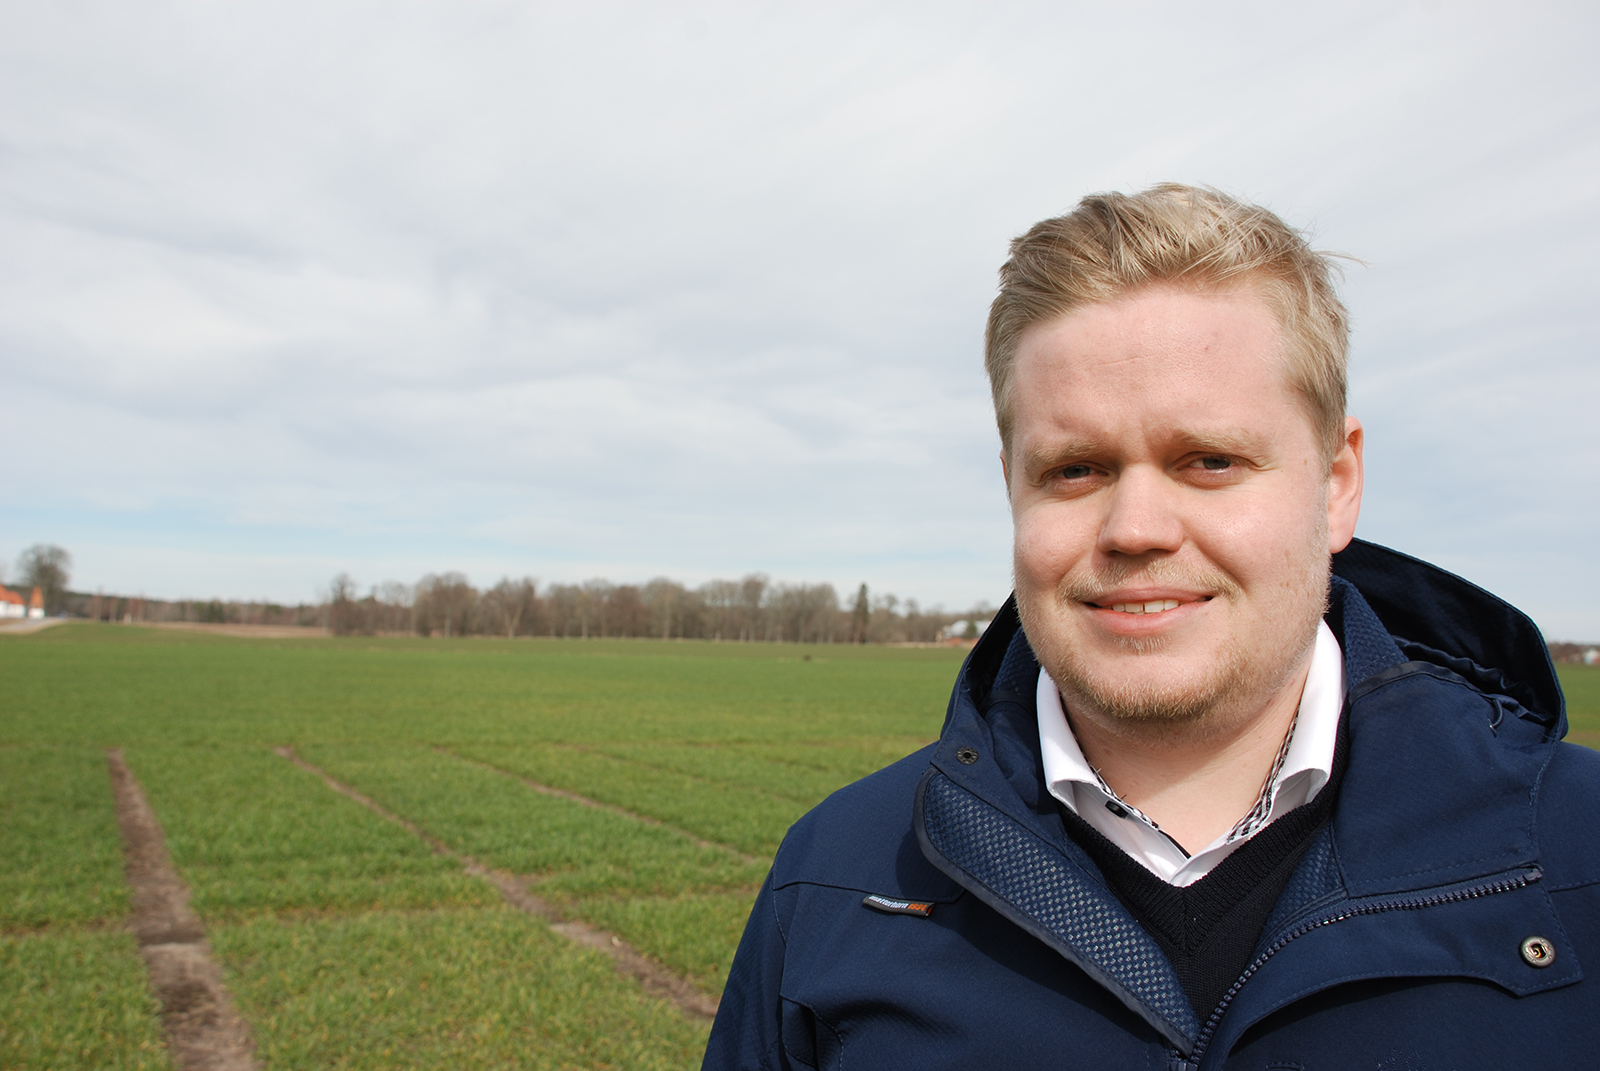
x=651 y=976
x=644 y=819
x=204 y=1032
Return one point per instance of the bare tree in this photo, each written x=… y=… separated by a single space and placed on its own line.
x=594 y=603
x=693 y=619
x=804 y=613
x=721 y=601
x=393 y=606
x=444 y=603
x=625 y=613
x=346 y=616
x=47 y=567
x=666 y=601
x=562 y=608
x=752 y=597
x=510 y=605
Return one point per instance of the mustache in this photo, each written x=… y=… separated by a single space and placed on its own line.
x=1092 y=586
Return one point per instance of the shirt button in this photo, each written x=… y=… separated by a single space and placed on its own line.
x=1537 y=952
x=966 y=755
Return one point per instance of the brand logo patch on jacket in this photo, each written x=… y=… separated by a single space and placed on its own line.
x=890 y=906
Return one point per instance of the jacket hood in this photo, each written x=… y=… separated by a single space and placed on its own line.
x=1440 y=618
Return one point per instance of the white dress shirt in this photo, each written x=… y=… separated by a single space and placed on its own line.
x=1303 y=766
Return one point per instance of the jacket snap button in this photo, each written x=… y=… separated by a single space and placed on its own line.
x=1537 y=952
x=967 y=756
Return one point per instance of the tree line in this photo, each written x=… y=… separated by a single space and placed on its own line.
x=753 y=608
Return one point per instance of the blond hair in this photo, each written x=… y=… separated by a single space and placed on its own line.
x=1113 y=244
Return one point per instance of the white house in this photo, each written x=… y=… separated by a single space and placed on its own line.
x=965 y=630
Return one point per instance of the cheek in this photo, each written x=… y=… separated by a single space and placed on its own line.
x=1047 y=544
x=1276 y=563
x=1263 y=533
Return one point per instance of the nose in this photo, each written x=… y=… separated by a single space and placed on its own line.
x=1142 y=514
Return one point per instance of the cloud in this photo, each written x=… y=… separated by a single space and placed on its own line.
x=634 y=289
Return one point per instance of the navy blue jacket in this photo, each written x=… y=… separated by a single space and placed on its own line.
x=1463 y=827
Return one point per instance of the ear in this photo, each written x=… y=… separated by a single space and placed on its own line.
x=1005 y=470
x=1344 y=487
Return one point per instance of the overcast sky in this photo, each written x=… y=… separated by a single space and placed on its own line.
x=694 y=290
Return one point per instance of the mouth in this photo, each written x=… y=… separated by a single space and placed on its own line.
x=1148 y=606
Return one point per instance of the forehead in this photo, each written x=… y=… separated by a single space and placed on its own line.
x=1159 y=358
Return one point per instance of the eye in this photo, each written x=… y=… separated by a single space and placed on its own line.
x=1075 y=472
x=1216 y=464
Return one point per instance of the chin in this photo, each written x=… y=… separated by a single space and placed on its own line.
x=1147 y=699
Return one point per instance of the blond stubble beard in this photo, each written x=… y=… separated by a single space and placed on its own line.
x=1145 y=707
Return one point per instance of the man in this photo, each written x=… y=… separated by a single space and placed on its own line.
x=1222 y=787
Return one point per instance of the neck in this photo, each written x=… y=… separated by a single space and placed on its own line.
x=1194 y=780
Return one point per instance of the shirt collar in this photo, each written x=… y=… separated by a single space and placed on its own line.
x=1310 y=750
x=1317 y=724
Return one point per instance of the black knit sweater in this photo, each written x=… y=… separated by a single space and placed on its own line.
x=1209 y=930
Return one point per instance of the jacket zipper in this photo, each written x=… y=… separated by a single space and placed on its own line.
x=1403 y=904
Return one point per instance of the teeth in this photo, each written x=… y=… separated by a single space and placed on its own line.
x=1153 y=607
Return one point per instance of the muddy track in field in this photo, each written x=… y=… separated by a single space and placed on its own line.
x=204 y=1033
x=561 y=793
x=655 y=979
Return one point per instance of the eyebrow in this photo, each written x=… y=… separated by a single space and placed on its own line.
x=1059 y=452
x=1223 y=442
x=1064 y=451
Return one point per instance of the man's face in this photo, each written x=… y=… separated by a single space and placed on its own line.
x=1173 y=514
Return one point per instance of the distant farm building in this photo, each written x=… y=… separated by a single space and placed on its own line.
x=965 y=630
x=13 y=605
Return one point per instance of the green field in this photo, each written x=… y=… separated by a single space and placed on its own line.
x=346 y=941
x=1582 y=685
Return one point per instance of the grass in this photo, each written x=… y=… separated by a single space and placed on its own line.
x=346 y=941
x=694 y=934
x=1582 y=687
x=77 y=1000
x=748 y=819
x=250 y=833
x=478 y=988
x=59 y=839
x=681 y=903
x=575 y=850
x=73 y=992
x=111 y=685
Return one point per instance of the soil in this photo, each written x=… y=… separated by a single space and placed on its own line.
x=270 y=632
x=21 y=626
x=204 y=1032
x=652 y=977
